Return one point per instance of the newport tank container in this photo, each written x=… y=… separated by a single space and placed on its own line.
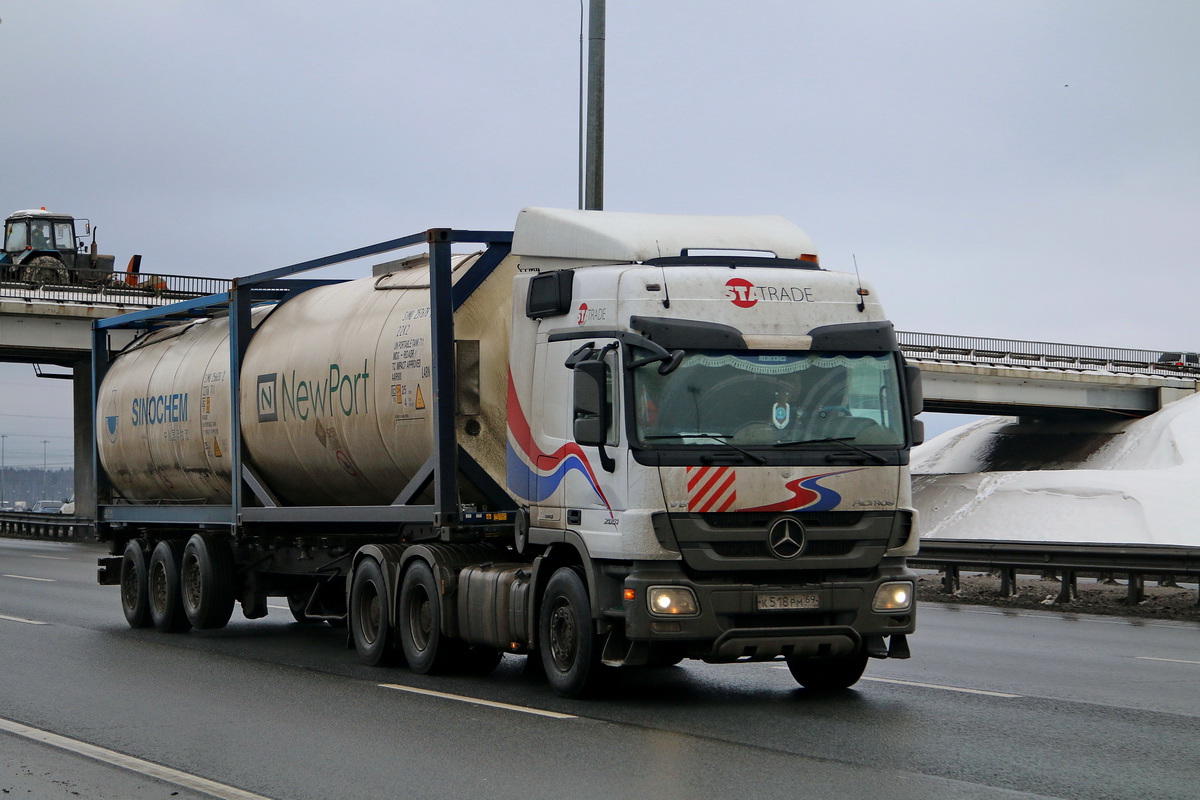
x=336 y=394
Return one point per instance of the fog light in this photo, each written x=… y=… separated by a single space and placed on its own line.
x=672 y=601
x=894 y=596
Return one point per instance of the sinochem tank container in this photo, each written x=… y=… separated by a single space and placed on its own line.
x=336 y=394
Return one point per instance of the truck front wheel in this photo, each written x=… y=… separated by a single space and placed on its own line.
x=828 y=674
x=569 y=647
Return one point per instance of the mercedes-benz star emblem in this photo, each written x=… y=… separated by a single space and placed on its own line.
x=786 y=538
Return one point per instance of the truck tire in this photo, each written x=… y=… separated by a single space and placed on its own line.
x=207 y=577
x=134 y=587
x=370 y=626
x=426 y=649
x=828 y=674
x=165 y=594
x=570 y=649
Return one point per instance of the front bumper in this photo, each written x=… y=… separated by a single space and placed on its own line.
x=837 y=617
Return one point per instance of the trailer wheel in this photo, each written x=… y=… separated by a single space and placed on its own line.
x=369 y=618
x=425 y=648
x=207 y=576
x=828 y=674
x=569 y=647
x=165 y=594
x=134 y=587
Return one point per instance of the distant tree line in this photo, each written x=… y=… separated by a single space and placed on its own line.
x=31 y=485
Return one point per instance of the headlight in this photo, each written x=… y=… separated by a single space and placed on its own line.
x=672 y=601
x=894 y=596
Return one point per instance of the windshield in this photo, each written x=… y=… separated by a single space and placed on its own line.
x=750 y=398
x=16 y=236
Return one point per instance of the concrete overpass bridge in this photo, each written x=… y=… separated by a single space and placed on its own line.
x=973 y=375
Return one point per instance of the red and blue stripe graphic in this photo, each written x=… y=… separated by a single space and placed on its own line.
x=534 y=474
x=807 y=494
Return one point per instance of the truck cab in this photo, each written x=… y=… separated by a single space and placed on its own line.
x=725 y=436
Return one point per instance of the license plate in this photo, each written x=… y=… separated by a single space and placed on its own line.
x=786 y=601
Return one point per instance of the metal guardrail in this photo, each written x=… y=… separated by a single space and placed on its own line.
x=96 y=287
x=1047 y=355
x=30 y=525
x=1011 y=558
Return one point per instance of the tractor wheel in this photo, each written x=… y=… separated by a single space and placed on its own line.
x=43 y=270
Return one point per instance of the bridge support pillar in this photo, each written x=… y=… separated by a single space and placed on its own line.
x=85 y=434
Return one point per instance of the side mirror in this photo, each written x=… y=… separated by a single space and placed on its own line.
x=918 y=430
x=592 y=411
x=916 y=396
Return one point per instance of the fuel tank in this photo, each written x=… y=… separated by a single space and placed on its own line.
x=336 y=394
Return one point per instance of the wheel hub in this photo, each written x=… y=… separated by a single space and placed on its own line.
x=562 y=636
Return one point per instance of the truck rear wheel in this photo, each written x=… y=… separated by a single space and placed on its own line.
x=165 y=595
x=426 y=649
x=134 y=587
x=370 y=621
x=207 y=577
x=828 y=674
x=570 y=649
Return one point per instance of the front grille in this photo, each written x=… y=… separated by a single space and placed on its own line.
x=738 y=540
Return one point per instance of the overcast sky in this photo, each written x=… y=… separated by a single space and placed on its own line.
x=1013 y=168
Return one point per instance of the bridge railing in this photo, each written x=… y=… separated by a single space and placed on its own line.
x=111 y=288
x=1009 y=559
x=51 y=527
x=1049 y=355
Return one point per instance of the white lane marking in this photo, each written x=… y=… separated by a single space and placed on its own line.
x=130 y=763
x=476 y=701
x=1168 y=660
x=27 y=578
x=281 y=608
x=56 y=558
x=19 y=619
x=943 y=688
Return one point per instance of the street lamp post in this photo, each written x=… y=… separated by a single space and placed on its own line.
x=3 y=436
x=44 y=443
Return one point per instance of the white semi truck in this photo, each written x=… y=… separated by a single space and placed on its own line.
x=603 y=440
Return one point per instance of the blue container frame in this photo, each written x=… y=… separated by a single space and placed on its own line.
x=447 y=458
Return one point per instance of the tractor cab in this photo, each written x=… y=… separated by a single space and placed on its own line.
x=43 y=247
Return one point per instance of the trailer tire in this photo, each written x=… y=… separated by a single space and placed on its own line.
x=370 y=624
x=134 y=587
x=426 y=648
x=570 y=648
x=828 y=674
x=207 y=575
x=165 y=594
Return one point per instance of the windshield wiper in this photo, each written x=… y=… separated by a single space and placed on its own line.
x=842 y=440
x=716 y=437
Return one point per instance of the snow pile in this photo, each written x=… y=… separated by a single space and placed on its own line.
x=1107 y=483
